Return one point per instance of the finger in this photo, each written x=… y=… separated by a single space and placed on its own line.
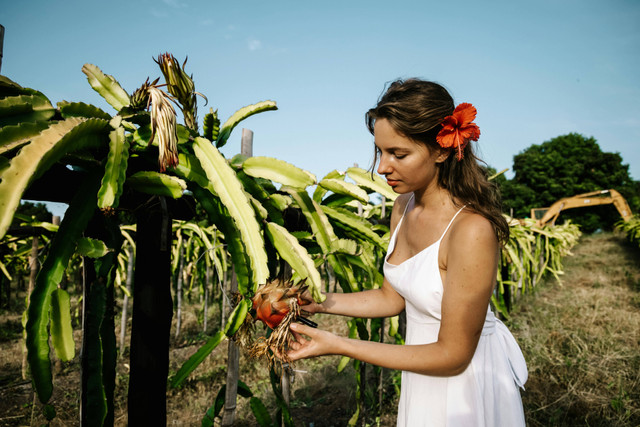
x=302 y=329
x=297 y=337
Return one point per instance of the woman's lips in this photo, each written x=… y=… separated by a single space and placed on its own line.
x=392 y=182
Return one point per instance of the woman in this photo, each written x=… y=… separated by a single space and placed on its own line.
x=461 y=366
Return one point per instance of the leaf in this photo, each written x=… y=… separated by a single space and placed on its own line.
x=106 y=86
x=80 y=109
x=339 y=186
x=25 y=108
x=150 y=182
x=92 y=248
x=278 y=171
x=211 y=125
x=322 y=230
x=375 y=183
x=115 y=170
x=237 y=316
x=223 y=182
x=10 y=88
x=239 y=116
x=15 y=135
x=359 y=225
x=62 y=247
x=244 y=390
x=61 y=329
x=260 y=412
x=210 y=416
x=196 y=359
x=4 y=270
x=280 y=201
x=219 y=215
x=297 y=257
x=325 y=236
x=254 y=187
x=320 y=191
x=43 y=151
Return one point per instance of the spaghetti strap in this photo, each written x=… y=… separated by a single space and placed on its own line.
x=402 y=217
x=451 y=222
x=407 y=205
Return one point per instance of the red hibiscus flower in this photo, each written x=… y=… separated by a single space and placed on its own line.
x=458 y=129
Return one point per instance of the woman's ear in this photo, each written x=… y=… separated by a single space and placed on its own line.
x=443 y=154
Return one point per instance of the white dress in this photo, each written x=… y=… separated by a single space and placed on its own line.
x=486 y=393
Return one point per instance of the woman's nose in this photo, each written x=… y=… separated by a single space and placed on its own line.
x=383 y=166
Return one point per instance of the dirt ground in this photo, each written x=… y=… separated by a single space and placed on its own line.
x=580 y=340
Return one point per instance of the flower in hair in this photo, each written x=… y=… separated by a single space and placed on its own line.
x=458 y=129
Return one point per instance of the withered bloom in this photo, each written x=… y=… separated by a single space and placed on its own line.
x=163 y=126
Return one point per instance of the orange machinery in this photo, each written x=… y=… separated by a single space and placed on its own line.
x=603 y=197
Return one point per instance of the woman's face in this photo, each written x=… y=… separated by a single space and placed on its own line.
x=408 y=166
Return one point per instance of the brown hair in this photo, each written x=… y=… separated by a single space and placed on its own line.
x=415 y=108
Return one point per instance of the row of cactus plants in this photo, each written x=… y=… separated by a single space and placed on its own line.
x=531 y=253
x=631 y=228
x=136 y=161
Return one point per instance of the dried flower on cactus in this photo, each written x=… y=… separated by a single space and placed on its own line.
x=163 y=126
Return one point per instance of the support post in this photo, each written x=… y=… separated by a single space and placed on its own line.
x=1 y=44
x=233 y=356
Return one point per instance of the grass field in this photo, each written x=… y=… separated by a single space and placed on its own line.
x=581 y=340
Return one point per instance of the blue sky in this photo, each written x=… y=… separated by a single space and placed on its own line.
x=534 y=70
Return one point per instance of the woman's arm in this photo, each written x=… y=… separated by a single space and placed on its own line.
x=471 y=261
x=382 y=302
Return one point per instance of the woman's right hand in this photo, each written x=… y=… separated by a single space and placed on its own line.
x=319 y=343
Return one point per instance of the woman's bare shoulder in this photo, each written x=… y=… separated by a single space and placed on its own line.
x=473 y=228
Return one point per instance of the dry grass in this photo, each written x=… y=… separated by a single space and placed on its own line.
x=582 y=339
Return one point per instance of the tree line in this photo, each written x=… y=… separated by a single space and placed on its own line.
x=566 y=166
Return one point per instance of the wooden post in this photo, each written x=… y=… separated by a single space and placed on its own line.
x=360 y=210
x=233 y=372
x=246 y=144
x=233 y=356
x=1 y=44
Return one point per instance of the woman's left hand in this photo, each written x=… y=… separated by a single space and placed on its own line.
x=319 y=343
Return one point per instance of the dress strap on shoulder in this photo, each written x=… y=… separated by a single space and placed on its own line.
x=451 y=222
x=408 y=203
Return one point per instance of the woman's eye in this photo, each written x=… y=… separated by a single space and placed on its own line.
x=400 y=156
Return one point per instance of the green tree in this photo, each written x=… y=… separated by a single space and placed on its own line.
x=37 y=211
x=566 y=166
